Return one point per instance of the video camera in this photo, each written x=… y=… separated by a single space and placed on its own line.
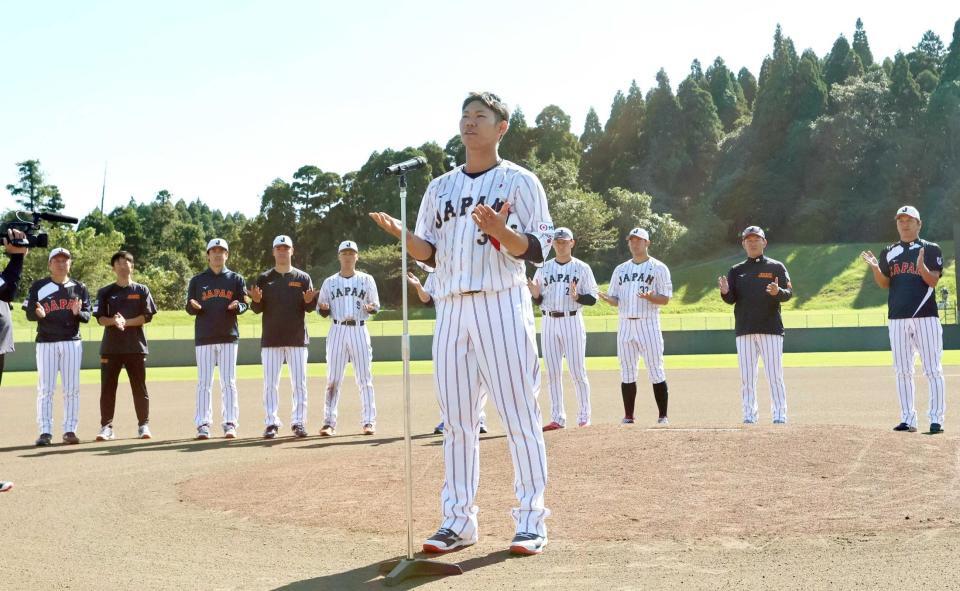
x=34 y=237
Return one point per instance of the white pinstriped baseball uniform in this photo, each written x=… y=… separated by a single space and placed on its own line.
x=483 y=306
x=565 y=336
x=639 y=333
x=347 y=298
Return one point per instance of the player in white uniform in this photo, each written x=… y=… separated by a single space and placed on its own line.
x=350 y=297
x=911 y=269
x=425 y=294
x=639 y=288
x=58 y=304
x=465 y=231
x=562 y=287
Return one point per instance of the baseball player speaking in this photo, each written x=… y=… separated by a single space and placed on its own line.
x=465 y=234
x=562 y=286
x=756 y=287
x=216 y=297
x=350 y=297
x=123 y=308
x=639 y=288
x=58 y=304
x=911 y=269
x=284 y=295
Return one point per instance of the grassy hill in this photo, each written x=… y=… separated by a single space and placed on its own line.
x=830 y=283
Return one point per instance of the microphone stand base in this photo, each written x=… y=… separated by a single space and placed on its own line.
x=404 y=568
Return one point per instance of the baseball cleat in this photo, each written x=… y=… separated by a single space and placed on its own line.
x=627 y=420
x=327 y=431
x=44 y=439
x=70 y=438
x=106 y=433
x=483 y=429
x=935 y=428
x=749 y=421
x=5 y=486
x=203 y=432
x=663 y=421
x=527 y=543
x=298 y=430
x=230 y=431
x=583 y=424
x=445 y=541
x=438 y=430
x=779 y=421
x=270 y=432
x=368 y=429
x=143 y=432
x=553 y=426
x=905 y=427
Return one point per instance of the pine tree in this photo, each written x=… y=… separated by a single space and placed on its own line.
x=951 y=64
x=701 y=131
x=665 y=155
x=591 y=132
x=727 y=94
x=854 y=65
x=928 y=54
x=836 y=66
x=749 y=85
x=862 y=46
x=811 y=87
x=904 y=92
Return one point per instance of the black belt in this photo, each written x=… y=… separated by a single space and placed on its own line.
x=561 y=314
x=350 y=322
x=476 y=291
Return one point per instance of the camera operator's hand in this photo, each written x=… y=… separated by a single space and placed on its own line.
x=75 y=306
x=40 y=312
x=119 y=321
x=15 y=235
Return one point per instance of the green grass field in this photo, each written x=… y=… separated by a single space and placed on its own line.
x=395 y=368
x=831 y=283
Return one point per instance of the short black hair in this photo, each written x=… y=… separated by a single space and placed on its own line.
x=121 y=254
x=491 y=101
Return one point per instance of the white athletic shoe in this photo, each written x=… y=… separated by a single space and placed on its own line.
x=230 y=431
x=5 y=486
x=144 y=432
x=203 y=432
x=106 y=433
x=663 y=421
x=445 y=541
x=527 y=544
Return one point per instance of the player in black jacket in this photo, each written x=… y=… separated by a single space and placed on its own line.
x=756 y=287
x=58 y=304
x=216 y=297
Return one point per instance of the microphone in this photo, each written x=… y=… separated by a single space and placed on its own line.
x=406 y=166
x=56 y=217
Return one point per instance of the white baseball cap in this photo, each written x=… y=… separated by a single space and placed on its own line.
x=752 y=230
x=217 y=242
x=639 y=233
x=563 y=233
x=908 y=210
x=348 y=245
x=57 y=251
x=282 y=240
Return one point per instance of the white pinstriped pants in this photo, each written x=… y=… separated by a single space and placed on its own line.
x=924 y=336
x=61 y=357
x=349 y=343
x=209 y=357
x=272 y=359
x=640 y=337
x=751 y=348
x=566 y=337
x=494 y=326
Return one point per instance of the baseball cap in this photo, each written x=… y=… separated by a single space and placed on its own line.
x=348 y=245
x=282 y=240
x=639 y=233
x=755 y=230
x=908 y=210
x=217 y=242
x=563 y=233
x=57 y=251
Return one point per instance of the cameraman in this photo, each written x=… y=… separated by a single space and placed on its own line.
x=9 y=279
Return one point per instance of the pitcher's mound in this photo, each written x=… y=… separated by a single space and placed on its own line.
x=613 y=483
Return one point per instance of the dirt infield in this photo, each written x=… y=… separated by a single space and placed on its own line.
x=832 y=500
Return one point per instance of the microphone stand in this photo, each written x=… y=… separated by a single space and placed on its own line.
x=404 y=568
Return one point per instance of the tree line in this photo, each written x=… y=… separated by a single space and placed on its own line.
x=812 y=148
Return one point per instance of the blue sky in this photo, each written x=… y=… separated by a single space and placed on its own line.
x=215 y=99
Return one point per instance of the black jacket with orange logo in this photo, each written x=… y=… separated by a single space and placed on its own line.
x=215 y=322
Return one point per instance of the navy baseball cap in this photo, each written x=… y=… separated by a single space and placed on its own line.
x=752 y=230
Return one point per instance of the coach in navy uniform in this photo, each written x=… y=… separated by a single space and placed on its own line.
x=216 y=297
x=911 y=268
x=122 y=308
x=284 y=295
x=756 y=287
